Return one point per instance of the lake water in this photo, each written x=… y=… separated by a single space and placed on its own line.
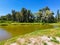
x=9 y=31
x=4 y=34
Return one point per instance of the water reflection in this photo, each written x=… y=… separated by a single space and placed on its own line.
x=56 y=26
x=4 y=34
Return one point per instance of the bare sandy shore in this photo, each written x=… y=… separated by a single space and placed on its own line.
x=39 y=40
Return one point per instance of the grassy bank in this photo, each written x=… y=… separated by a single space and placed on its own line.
x=49 y=32
x=23 y=28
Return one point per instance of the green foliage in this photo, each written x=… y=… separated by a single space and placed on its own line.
x=2 y=21
x=44 y=15
x=58 y=16
x=45 y=43
x=9 y=17
x=54 y=40
x=3 y=24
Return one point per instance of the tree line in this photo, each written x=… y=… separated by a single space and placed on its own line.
x=43 y=15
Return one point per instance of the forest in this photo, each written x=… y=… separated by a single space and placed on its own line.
x=44 y=15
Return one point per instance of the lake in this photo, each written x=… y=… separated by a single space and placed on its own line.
x=4 y=34
x=9 y=31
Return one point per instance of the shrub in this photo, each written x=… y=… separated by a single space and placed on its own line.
x=3 y=24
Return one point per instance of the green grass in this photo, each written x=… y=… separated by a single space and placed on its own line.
x=23 y=28
x=45 y=43
x=54 y=40
x=49 y=32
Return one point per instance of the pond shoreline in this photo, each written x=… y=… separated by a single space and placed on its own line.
x=48 y=32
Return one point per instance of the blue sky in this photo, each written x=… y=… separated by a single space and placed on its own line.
x=34 y=5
